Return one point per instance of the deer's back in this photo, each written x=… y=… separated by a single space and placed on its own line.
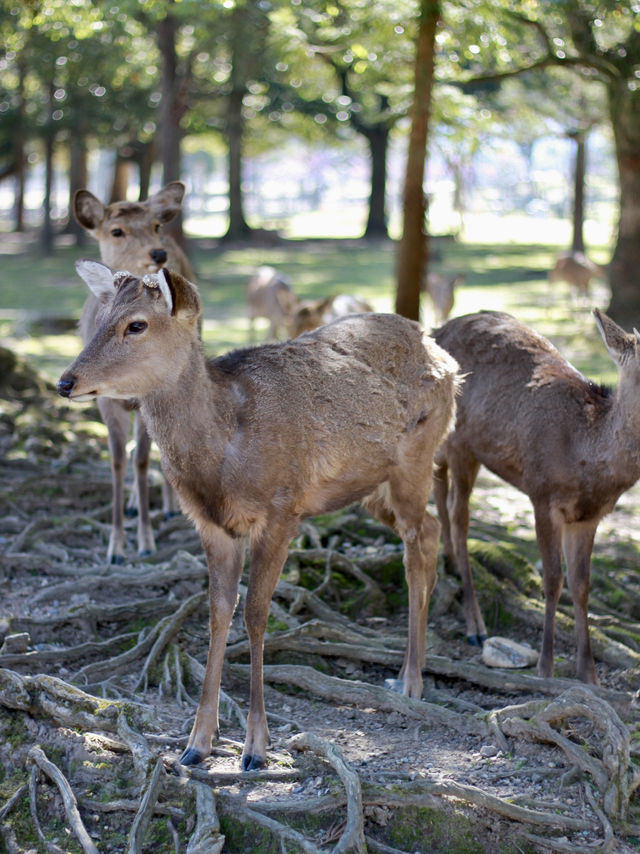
x=325 y=416
x=525 y=412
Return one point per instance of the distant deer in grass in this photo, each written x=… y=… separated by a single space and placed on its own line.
x=578 y=271
x=130 y=237
x=573 y=447
x=269 y=295
x=441 y=290
x=258 y=439
x=309 y=314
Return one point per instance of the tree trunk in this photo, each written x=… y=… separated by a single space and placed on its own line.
x=120 y=183
x=378 y=139
x=172 y=108
x=411 y=249
x=623 y=272
x=46 y=234
x=577 y=243
x=77 y=181
x=19 y=144
x=145 y=165
x=238 y=226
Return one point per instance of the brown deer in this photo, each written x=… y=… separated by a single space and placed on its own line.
x=130 y=237
x=573 y=447
x=578 y=271
x=257 y=439
x=269 y=295
x=309 y=314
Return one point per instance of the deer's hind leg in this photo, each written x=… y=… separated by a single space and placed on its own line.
x=463 y=468
x=401 y=504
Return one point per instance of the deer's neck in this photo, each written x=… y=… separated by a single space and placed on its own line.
x=619 y=436
x=189 y=411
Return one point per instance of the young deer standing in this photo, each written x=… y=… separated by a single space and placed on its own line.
x=578 y=271
x=571 y=446
x=269 y=295
x=258 y=439
x=130 y=237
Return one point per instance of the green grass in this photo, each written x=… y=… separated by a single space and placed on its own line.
x=509 y=276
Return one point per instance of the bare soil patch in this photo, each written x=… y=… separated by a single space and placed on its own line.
x=101 y=670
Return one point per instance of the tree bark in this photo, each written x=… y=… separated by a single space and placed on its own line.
x=77 y=181
x=238 y=226
x=120 y=182
x=19 y=144
x=624 y=104
x=46 y=234
x=378 y=139
x=577 y=243
x=172 y=108
x=412 y=247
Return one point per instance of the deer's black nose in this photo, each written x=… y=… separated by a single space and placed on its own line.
x=65 y=386
x=158 y=255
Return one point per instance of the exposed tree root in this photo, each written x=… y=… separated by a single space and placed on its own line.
x=367 y=696
x=68 y=799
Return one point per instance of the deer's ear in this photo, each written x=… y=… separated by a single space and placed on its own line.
x=620 y=344
x=88 y=210
x=185 y=299
x=98 y=277
x=166 y=203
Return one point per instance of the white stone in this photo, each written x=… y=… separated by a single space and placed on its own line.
x=503 y=652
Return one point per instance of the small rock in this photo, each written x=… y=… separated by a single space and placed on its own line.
x=16 y=644
x=488 y=750
x=503 y=652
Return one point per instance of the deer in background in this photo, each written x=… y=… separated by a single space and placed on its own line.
x=309 y=314
x=572 y=446
x=441 y=290
x=269 y=295
x=578 y=271
x=130 y=237
x=258 y=439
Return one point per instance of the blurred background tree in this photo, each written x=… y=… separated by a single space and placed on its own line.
x=136 y=83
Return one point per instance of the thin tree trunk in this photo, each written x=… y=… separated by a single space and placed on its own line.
x=411 y=250
x=46 y=234
x=577 y=243
x=623 y=272
x=145 y=165
x=238 y=226
x=77 y=181
x=172 y=108
x=120 y=182
x=378 y=139
x=19 y=145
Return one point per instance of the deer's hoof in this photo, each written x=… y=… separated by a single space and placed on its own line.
x=191 y=756
x=118 y=560
x=476 y=640
x=145 y=553
x=252 y=763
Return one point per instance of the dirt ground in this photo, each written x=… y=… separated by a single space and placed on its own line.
x=102 y=666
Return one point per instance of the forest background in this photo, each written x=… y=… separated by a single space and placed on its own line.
x=277 y=112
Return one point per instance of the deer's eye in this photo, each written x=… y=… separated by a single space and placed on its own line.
x=136 y=327
x=117 y=232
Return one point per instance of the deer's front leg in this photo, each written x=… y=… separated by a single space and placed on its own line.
x=224 y=558
x=268 y=552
